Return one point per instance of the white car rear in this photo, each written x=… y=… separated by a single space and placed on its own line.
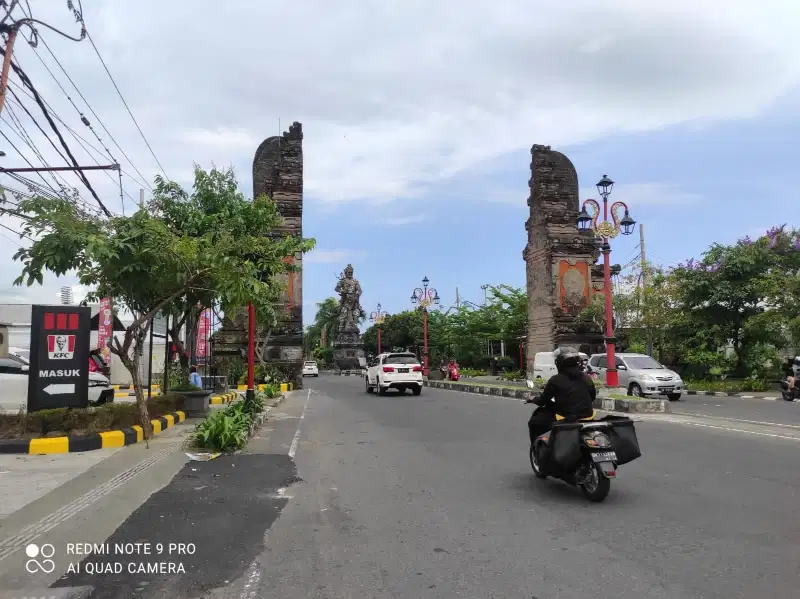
x=310 y=369
x=399 y=371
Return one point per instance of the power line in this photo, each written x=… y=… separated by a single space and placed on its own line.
x=121 y=97
x=27 y=82
x=85 y=120
x=83 y=142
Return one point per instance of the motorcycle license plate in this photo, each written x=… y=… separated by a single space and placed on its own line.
x=605 y=456
x=402 y=370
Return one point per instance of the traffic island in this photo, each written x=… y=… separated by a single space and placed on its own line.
x=633 y=405
x=66 y=430
x=612 y=403
x=229 y=429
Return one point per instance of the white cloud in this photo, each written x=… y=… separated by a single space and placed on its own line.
x=330 y=256
x=399 y=221
x=395 y=96
x=644 y=194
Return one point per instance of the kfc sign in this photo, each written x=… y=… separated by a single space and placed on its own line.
x=59 y=358
x=60 y=347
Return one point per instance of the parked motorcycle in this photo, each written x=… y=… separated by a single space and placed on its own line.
x=586 y=453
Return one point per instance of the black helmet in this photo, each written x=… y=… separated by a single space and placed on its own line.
x=566 y=357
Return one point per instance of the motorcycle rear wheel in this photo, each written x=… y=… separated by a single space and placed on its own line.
x=535 y=464
x=596 y=485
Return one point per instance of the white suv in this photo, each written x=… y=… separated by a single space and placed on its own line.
x=310 y=369
x=399 y=371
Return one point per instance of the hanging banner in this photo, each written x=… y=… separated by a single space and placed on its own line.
x=105 y=328
x=203 y=331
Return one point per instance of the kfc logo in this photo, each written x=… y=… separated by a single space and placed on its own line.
x=60 y=347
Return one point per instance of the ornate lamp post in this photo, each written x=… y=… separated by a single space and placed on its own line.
x=425 y=297
x=377 y=319
x=607 y=231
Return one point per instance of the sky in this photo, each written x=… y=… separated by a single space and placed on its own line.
x=418 y=120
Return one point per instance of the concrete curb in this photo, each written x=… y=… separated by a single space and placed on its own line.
x=633 y=406
x=261 y=417
x=104 y=440
x=730 y=394
x=223 y=398
x=610 y=405
x=285 y=387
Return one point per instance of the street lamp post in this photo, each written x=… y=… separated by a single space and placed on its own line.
x=425 y=297
x=377 y=317
x=607 y=231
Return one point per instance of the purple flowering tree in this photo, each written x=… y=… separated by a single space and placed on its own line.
x=746 y=295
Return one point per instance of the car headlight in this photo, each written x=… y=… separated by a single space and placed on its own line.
x=647 y=377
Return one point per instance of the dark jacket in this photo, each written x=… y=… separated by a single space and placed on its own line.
x=573 y=392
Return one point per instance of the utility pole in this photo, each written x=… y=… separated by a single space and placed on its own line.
x=141 y=199
x=645 y=299
x=458 y=300
x=12 y=36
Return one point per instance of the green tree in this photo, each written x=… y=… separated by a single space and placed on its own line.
x=148 y=264
x=736 y=295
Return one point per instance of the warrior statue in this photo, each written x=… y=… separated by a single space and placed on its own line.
x=348 y=347
x=350 y=311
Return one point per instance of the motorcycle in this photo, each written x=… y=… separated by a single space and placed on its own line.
x=586 y=453
x=453 y=372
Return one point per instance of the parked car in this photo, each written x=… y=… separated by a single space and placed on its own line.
x=544 y=365
x=310 y=369
x=14 y=375
x=641 y=375
x=399 y=371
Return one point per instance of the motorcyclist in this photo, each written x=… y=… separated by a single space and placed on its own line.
x=792 y=373
x=569 y=393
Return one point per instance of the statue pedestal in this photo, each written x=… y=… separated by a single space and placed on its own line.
x=348 y=351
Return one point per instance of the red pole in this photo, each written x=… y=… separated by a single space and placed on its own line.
x=425 y=341
x=612 y=377
x=379 y=341
x=251 y=352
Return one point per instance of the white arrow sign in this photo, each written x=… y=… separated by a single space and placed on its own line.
x=59 y=389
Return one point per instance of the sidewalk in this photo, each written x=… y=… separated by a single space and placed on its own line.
x=77 y=498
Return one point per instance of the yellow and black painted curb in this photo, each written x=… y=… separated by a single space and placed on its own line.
x=285 y=387
x=222 y=398
x=105 y=440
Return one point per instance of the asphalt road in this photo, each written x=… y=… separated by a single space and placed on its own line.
x=432 y=497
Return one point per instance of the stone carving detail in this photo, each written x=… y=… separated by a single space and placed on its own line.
x=278 y=173
x=348 y=347
x=558 y=286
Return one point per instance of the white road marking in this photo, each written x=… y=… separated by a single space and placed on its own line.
x=296 y=440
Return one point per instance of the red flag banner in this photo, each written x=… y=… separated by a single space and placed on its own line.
x=105 y=327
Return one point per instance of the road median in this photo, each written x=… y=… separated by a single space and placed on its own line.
x=608 y=403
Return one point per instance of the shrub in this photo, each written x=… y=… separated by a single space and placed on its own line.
x=728 y=386
x=72 y=422
x=513 y=375
x=272 y=390
x=228 y=429
x=471 y=372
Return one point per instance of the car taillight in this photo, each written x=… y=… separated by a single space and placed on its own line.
x=388 y=369
x=417 y=368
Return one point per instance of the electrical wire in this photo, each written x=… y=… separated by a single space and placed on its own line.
x=121 y=97
x=82 y=141
x=83 y=117
x=27 y=82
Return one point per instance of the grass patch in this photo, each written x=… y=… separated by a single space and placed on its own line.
x=70 y=422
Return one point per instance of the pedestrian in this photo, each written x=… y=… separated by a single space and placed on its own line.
x=194 y=378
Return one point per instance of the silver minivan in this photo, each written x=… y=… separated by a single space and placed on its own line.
x=641 y=375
